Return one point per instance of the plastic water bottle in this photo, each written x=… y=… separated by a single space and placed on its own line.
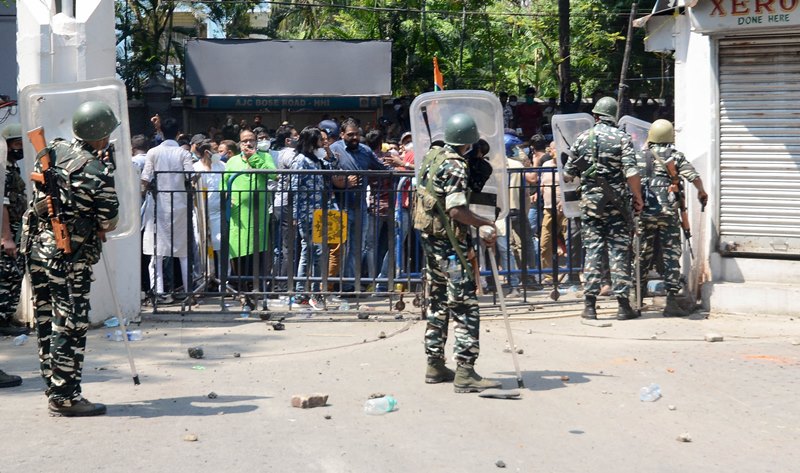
x=246 y=312
x=116 y=335
x=650 y=393
x=20 y=340
x=380 y=405
x=134 y=335
x=111 y=322
x=453 y=269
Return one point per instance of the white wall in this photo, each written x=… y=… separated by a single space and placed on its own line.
x=729 y=284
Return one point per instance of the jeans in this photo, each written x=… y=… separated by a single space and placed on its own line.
x=403 y=226
x=376 y=242
x=533 y=221
x=356 y=231
x=308 y=264
x=506 y=260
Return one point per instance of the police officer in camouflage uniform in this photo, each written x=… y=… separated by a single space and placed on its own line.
x=604 y=158
x=11 y=261
x=61 y=281
x=6 y=380
x=443 y=217
x=661 y=217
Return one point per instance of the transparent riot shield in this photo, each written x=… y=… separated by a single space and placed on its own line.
x=565 y=129
x=3 y=156
x=429 y=114
x=637 y=129
x=51 y=106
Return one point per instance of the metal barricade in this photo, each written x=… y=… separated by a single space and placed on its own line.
x=246 y=240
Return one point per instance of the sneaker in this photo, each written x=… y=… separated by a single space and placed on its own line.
x=302 y=301
x=334 y=299
x=80 y=407
x=165 y=299
x=317 y=303
x=513 y=292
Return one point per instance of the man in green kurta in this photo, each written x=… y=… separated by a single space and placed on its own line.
x=249 y=217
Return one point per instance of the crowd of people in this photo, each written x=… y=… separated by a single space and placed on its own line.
x=268 y=240
x=251 y=208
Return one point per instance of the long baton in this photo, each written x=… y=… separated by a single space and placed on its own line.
x=637 y=261
x=122 y=323
x=505 y=317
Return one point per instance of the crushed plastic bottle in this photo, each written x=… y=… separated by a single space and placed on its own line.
x=656 y=287
x=111 y=322
x=345 y=306
x=380 y=405
x=20 y=340
x=246 y=312
x=650 y=393
x=133 y=335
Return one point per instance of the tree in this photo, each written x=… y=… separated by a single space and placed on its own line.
x=233 y=18
x=144 y=45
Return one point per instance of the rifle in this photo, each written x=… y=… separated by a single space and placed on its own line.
x=676 y=189
x=48 y=179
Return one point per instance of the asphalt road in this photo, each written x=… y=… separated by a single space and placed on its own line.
x=579 y=411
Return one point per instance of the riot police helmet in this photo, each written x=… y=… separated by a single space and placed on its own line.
x=12 y=131
x=661 y=131
x=461 y=129
x=93 y=121
x=606 y=107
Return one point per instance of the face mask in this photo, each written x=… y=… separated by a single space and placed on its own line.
x=529 y=100
x=513 y=104
x=14 y=154
x=526 y=151
x=320 y=153
x=408 y=147
x=263 y=145
x=293 y=143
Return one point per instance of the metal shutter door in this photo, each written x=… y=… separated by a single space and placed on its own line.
x=759 y=146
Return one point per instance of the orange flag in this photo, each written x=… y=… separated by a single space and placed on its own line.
x=438 y=79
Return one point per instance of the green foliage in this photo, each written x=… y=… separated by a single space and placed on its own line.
x=494 y=45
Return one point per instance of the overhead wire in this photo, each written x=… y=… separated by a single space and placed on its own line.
x=414 y=10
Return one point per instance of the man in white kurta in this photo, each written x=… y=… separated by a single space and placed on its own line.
x=166 y=169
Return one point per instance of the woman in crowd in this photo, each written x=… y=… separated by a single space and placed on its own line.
x=309 y=190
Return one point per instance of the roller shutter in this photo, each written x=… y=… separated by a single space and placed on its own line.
x=759 y=145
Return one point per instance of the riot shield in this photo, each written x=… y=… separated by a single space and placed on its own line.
x=429 y=114
x=3 y=156
x=637 y=129
x=51 y=106
x=565 y=129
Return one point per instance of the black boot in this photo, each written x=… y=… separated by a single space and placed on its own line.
x=673 y=309
x=11 y=328
x=9 y=380
x=625 y=311
x=589 y=310
x=77 y=408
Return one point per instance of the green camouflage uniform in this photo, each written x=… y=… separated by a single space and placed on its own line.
x=661 y=217
x=11 y=269
x=445 y=295
x=604 y=229
x=90 y=204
